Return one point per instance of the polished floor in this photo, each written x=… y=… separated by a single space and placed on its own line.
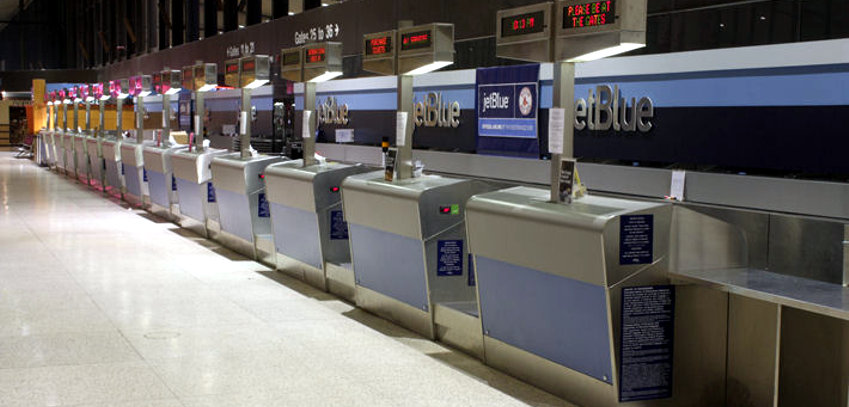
x=105 y=305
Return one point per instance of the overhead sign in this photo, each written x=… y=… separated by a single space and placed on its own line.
x=322 y=61
x=247 y=71
x=524 y=33
x=188 y=73
x=291 y=64
x=522 y=24
x=589 y=14
x=422 y=47
x=322 y=33
x=231 y=73
x=379 y=52
x=157 y=82
x=589 y=30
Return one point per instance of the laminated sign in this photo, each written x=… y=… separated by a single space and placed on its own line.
x=450 y=258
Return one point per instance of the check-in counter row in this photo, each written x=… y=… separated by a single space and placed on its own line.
x=602 y=301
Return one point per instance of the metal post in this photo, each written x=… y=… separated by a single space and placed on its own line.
x=88 y=115
x=309 y=143
x=76 y=116
x=245 y=122
x=102 y=104
x=166 y=117
x=139 y=119
x=119 y=116
x=65 y=115
x=404 y=161
x=563 y=97
x=199 y=116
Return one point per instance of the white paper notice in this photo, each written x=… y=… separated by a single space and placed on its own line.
x=164 y=120
x=556 y=126
x=243 y=123
x=344 y=135
x=400 y=129
x=305 y=125
x=197 y=124
x=676 y=188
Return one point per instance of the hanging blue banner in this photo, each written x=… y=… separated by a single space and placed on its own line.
x=507 y=110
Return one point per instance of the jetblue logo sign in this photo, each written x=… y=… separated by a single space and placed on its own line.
x=606 y=108
x=507 y=105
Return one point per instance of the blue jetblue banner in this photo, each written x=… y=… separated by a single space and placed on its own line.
x=507 y=107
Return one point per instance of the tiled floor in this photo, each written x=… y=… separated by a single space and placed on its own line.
x=102 y=305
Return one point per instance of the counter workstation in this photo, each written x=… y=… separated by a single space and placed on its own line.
x=310 y=232
x=162 y=184
x=195 y=190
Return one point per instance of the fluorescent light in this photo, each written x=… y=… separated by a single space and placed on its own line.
x=67 y=101
x=206 y=88
x=173 y=91
x=255 y=84
x=291 y=13
x=326 y=76
x=607 y=52
x=89 y=98
x=241 y=26
x=49 y=103
x=105 y=97
x=144 y=93
x=433 y=66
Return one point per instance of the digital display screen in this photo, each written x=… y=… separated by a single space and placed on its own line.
x=589 y=14
x=416 y=40
x=248 y=66
x=291 y=58
x=231 y=68
x=528 y=23
x=379 y=46
x=315 y=55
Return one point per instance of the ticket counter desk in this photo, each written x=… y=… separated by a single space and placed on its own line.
x=409 y=253
x=195 y=190
x=135 y=177
x=577 y=299
x=97 y=164
x=61 y=155
x=111 y=149
x=82 y=159
x=242 y=204
x=310 y=232
x=162 y=184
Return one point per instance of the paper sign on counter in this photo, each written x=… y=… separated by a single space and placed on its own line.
x=243 y=123
x=344 y=135
x=556 y=126
x=676 y=188
x=305 y=125
x=197 y=124
x=400 y=129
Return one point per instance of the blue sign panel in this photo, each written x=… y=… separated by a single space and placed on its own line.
x=338 y=226
x=648 y=315
x=449 y=260
x=636 y=233
x=471 y=270
x=507 y=106
x=144 y=174
x=210 y=192
x=173 y=182
x=262 y=206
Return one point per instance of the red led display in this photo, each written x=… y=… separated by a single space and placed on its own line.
x=379 y=46
x=523 y=24
x=415 y=40
x=248 y=66
x=231 y=68
x=315 y=55
x=589 y=14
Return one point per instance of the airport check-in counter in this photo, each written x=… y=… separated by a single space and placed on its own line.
x=96 y=161
x=577 y=299
x=162 y=184
x=135 y=176
x=409 y=253
x=242 y=205
x=50 y=146
x=61 y=155
x=69 y=138
x=195 y=190
x=309 y=227
x=111 y=150
x=83 y=164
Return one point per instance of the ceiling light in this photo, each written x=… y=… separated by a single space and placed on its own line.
x=607 y=52
x=326 y=76
x=433 y=66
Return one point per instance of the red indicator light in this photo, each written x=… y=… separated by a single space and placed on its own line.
x=261 y=176
x=444 y=209
x=334 y=189
x=315 y=55
x=528 y=23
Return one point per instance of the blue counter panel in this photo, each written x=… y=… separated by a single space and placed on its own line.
x=113 y=173
x=235 y=212
x=191 y=197
x=131 y=177
x=557 y=318
x=296 y=234
x=159 y=188
x=390 y=264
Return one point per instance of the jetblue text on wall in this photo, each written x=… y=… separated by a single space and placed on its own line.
x=605 y=108
x=330 y=112
x=435 y=112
